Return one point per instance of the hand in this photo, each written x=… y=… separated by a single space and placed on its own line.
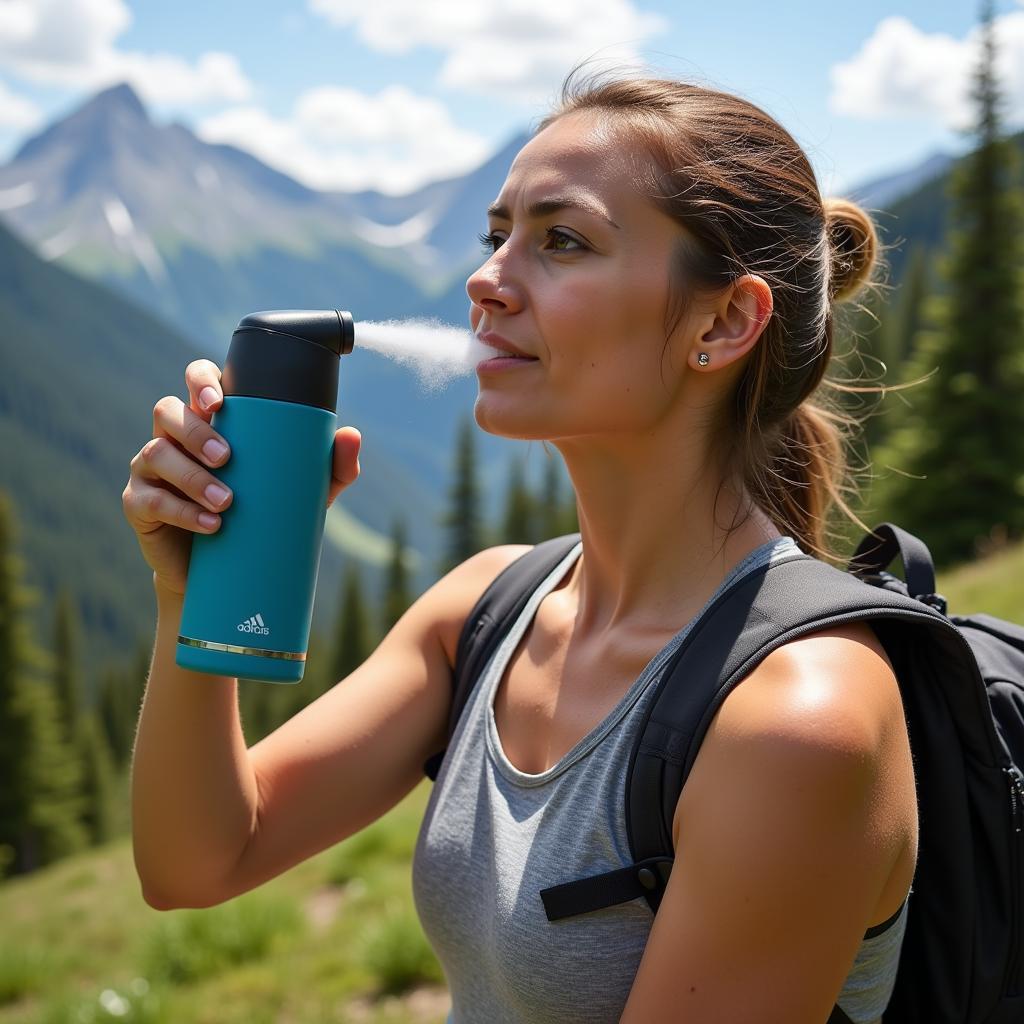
x=167 y=499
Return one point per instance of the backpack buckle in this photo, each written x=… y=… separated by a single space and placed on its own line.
x=936 y=601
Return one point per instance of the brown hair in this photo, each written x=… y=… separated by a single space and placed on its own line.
x=748 y=199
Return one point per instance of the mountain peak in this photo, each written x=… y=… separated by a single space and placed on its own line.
x=120 y=98
x=105 y=115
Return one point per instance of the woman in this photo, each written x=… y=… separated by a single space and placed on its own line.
x=662 y=266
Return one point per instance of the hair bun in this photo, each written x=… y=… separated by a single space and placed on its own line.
x=853 y=247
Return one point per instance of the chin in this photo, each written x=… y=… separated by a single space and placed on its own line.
x=514 y=423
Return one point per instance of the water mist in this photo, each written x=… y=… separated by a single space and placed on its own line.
x=437 y=352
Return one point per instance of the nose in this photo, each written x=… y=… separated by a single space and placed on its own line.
x=492 y=287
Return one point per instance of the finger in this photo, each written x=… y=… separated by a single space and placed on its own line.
x=202 y=376
x=347 y=444
x=160 y=460
x=175 y=420
x=345 y=467
x=147 y=508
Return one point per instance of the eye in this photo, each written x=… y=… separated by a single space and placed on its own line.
x=490 y=242
x=558 y=237
x=560 y=240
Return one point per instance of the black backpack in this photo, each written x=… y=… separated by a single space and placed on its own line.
x=962 y=683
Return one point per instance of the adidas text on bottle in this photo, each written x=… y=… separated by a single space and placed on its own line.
x=254 y=624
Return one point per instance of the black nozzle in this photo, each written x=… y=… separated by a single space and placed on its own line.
x=290 y=355
x=348 y=331
x=331 y=328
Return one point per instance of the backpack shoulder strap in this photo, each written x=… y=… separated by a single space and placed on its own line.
x=876 y=552
x=490 y=620
x=757 y=614
x=766 y=610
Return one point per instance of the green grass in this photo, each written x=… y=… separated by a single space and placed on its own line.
x=335 y=939
x=994 y=585
x=24 y=968
x=397 y=955
x=197 y=944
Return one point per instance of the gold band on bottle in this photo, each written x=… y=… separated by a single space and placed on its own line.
x=259 y=652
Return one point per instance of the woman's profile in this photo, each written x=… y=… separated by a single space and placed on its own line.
x=661 y=269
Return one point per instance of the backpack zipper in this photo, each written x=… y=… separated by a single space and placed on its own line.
x=1016 y=783
x=1016 y=780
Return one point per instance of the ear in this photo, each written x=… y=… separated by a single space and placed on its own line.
x=735 y=324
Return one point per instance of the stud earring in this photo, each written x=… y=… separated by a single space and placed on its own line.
x=703 y=359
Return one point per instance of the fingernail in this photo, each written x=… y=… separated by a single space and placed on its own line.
x=214 y=450
x=215 y=494
x=207 y=397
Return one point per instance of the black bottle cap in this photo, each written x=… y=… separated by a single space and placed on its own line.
x=289 y=355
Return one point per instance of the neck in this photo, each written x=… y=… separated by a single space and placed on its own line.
x=655 y=548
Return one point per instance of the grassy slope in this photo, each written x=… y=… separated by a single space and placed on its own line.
x=334 y=939
x=323 y=942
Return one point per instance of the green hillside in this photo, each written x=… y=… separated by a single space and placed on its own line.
x=334 y=939
x=920 y=219
x=82 y=371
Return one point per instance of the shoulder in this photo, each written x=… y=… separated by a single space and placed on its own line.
x=787 y=832
x=823 y=707
x=834 y=688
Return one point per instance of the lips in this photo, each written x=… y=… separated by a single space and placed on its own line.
x=496 y=341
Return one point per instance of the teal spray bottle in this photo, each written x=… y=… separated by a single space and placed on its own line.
x=249 y=596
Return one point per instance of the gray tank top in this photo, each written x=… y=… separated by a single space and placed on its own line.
x=492 y=837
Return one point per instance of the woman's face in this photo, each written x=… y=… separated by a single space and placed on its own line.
x=578 y=280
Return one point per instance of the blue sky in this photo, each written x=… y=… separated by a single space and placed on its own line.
x=390 y=94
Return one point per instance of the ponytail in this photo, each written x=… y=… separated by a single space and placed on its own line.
x=802 y=474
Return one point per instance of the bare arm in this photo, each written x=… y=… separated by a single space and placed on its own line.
x=193 y=788
x=794 y=818
x=214 y=820
x=211 y=819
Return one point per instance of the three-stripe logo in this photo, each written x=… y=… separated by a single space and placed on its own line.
x=254 y=624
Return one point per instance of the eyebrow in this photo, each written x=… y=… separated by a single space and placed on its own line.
x=545 y=206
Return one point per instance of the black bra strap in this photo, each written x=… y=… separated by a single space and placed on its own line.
x=887 y=923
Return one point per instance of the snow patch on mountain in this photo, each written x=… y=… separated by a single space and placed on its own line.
x=20 y=195
x=129 y=239
x=390 y=236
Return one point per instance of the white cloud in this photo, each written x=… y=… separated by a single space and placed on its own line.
x=518 y=49
x=72 y=43
x=18 y=112
x=17 y=21
x=165 y=78
x=901 y=71
x=341 y=139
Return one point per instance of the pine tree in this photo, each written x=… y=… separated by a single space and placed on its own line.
x=464 y=520
x=570 y=517
x=67 y=677
x=40 y=802
x=82 y=730
x=353 y=632
x=135 y=687
x=397 y=595
x=550 y=511
x=258 y=709
x=315 y=680
x=952 y=469
x=108 y=691
x=910 y=311
x=99 y=779
x=119 y=700
x=520 y=522
x=882 y=330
